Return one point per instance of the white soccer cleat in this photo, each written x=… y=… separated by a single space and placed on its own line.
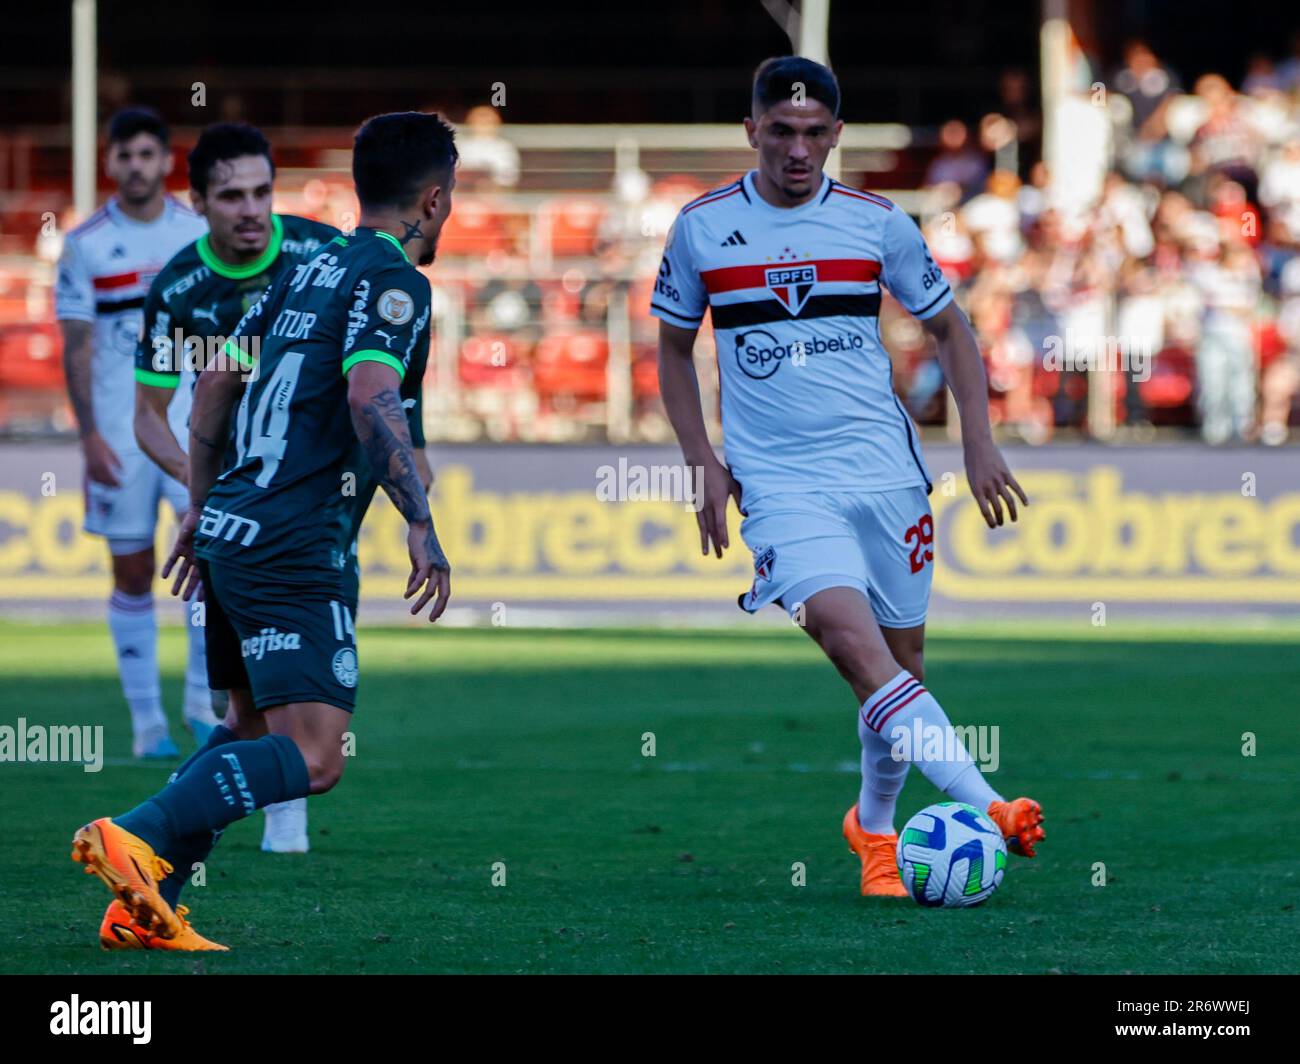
x=154 y=744
x=286 y=827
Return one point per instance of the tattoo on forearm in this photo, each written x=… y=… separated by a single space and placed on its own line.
x=413 y=231
x=382 y=430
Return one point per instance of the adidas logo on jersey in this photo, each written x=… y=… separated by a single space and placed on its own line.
x=735 y=240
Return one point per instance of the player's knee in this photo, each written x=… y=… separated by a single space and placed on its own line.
x=849 y=652
x=913 y=662
x=324 y=769
x=242 y=717
x=133 y=579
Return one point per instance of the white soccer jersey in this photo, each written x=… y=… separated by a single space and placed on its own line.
x=107 y=265
x=808 y=402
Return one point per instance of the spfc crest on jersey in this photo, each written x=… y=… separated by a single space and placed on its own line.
x=791 y=285
x=764 y=563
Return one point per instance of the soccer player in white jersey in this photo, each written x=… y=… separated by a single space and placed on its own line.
x=821 y=458
x=104 y=274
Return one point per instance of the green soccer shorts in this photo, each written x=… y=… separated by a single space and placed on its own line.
x=286 y=642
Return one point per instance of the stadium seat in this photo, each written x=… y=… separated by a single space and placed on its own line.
x=571 y=365
x=29 y=358
x=570 y=226
x=474 y=228
x=645 y=372
x=493 y=361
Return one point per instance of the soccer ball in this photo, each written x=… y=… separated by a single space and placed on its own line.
x=951 y=855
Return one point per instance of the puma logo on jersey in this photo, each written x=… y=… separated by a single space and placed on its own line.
x=211 y=315
x=388 y=339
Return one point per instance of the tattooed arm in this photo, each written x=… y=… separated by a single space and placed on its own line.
x=380 y=423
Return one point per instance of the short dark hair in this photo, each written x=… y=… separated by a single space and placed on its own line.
x=775 y=79
x=395 y=155
x=131 y=121
x=220 y=143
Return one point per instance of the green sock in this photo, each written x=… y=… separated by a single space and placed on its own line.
x=192 y=849
x=221 y=786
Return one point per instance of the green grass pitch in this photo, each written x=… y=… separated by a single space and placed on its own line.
x=477 y=746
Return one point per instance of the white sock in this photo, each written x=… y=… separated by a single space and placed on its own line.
x=285 y=829
x=135 y=635
x=198 y=696
x=882 y=780
x=906 y=716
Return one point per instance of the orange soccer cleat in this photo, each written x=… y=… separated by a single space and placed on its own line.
x=1019 y=821
x=119 y=931
x=879 y=858
x=131 y=870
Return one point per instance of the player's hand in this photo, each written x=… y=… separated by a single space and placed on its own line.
x=430 y=571
x=718 y=485
x=102 y=463
x=188 y=582
x=991 y=482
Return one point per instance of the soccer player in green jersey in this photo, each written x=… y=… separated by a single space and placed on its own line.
x=193 y=305
x=197 y=300
x=337 y=337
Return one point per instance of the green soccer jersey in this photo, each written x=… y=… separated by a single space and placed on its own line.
x=197 y=300
x=287 y=505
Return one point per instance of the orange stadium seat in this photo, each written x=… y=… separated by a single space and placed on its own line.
x=571 y=226
x=645 y=371
x=29 y=358
x=679 y=188
x=639 y=294
x=493 y=361
x=474 y=228
x=571 y=365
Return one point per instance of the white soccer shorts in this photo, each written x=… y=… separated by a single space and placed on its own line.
x=881 y=543
x=130 y=511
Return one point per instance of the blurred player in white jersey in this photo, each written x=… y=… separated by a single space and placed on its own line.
x=822 y=460
x=104 y=274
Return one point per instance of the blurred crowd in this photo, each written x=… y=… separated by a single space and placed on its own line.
x=1163 y=246
x=1168 y=251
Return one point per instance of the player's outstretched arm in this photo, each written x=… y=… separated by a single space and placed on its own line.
x=987 y=472
x=381 y=426
x=680 y=389
x=154 y=434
